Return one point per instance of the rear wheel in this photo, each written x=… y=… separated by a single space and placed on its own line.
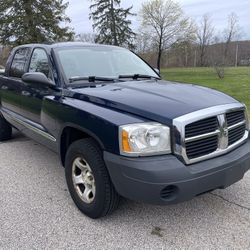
x=5 y=129
x=88 y=179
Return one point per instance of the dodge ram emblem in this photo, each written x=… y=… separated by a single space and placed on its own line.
x=225 y=132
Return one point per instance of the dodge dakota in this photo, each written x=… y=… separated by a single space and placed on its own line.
x=119 y=129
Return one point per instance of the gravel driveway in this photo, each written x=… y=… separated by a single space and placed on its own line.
x=36 y=212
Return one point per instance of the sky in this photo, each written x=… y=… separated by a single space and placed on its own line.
x=219 y=10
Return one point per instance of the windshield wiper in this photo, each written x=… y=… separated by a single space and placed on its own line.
x=91 y=79
x=138 y=76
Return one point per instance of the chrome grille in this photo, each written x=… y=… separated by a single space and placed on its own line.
x=211 y=132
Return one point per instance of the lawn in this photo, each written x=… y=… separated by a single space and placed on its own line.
x=236 y=82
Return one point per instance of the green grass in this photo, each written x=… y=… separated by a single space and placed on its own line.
x=236 y=82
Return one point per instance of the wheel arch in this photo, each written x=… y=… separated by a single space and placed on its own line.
x=71 y=133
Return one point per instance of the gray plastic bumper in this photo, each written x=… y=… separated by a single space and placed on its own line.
x=166 y=180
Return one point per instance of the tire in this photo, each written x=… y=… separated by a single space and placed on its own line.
x=5 y=129
x=84 y=163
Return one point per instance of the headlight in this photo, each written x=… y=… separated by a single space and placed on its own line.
x=144 y=139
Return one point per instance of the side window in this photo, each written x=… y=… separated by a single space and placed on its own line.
x=39 y=62
x=18 y=64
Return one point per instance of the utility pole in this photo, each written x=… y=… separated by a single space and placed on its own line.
x=186 y=56
x=236 y=55
x=195 y=58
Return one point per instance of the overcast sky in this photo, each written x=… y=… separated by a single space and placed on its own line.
x=78 y=11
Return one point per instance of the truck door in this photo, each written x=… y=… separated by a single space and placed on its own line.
x=10 y=88
x=32 y=95
x=41 y=123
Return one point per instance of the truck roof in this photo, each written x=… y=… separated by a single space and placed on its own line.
x=64 y=44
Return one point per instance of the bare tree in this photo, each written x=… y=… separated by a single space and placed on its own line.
x=165 y=22
x=204 y=34
x=143 y=43
x=231 y=33
x=86 y=37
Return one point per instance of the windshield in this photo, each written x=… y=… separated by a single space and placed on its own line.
x=109 y=62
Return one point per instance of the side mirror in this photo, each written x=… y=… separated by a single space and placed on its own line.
x=37 y=78
x=157 y=71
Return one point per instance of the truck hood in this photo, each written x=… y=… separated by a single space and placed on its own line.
x=160 y=101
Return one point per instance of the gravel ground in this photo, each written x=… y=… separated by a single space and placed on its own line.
x=36 y=212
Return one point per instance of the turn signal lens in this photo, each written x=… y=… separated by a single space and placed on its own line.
x=125 y=142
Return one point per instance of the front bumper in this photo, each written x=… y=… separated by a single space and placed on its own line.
x=166 y=180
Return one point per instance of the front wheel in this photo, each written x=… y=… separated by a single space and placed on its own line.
x=88 y=179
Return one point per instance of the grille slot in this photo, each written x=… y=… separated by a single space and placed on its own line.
x=201 y=127
x=202 y=147
x=235 y=117
x=236 y=134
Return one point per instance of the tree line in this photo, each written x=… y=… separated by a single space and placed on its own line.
x=166 y=35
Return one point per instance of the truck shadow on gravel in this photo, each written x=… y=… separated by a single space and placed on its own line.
x=18 y=137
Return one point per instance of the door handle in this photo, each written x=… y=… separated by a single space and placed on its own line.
x=26 y=93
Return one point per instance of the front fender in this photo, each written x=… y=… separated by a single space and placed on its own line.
x=99 y=122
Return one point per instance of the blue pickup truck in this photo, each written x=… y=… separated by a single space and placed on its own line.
x=120 y=130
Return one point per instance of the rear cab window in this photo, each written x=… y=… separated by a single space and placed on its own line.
x=19 y=62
